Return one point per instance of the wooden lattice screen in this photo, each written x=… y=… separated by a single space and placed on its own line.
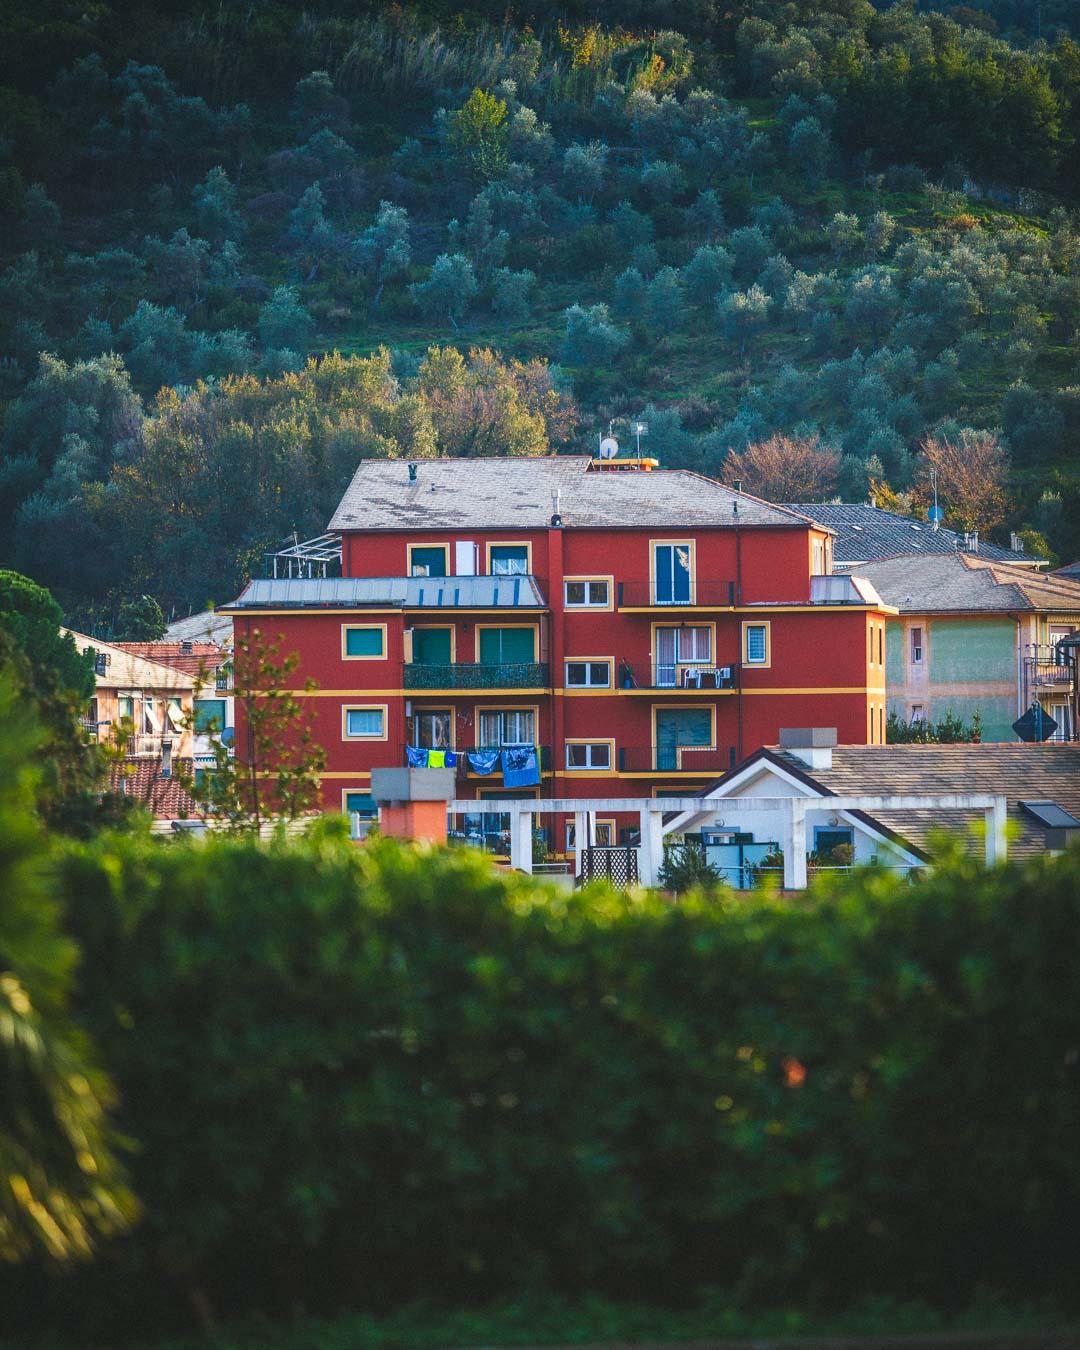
x=617 y=865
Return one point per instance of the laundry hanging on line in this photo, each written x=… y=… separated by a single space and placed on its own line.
x=521 y=767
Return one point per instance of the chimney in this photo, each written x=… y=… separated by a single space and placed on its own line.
x=737 y=485
x=556 y=518
x=166 y=759
x=971 y=541
x=412 y=473
x=1016 y=543
x=812 y=745
x=185 y=647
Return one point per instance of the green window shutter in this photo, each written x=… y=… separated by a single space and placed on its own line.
x=431 y=559
x=209 y=715
x=364 y=642
x=362 y=803
x=506 y=646
x=431 y=646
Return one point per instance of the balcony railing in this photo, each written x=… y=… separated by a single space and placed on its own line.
x=675 y=675
x=477 y=675
x=1046 y=669
x=645 y=595
x=673 y=759
x=1049 y=675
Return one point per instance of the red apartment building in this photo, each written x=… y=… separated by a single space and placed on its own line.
x=643 y=629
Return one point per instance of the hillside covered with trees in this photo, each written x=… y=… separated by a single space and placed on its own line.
x=818 y=246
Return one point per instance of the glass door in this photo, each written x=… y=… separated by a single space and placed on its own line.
x=677 y=728
x=672 y=574
x=431 y=730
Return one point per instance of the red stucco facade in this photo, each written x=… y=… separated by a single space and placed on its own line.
x=806 y=664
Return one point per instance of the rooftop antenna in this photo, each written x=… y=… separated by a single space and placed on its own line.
x=640 y=429
x=936 y=512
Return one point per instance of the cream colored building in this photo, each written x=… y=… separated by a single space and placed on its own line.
x=156 y=699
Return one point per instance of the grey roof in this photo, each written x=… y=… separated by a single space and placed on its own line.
x=953 y=583
x=208 y=626
x=866 y=532
x=503 y=592
x=516 y=493
x=1072 y=571
x=1024 y=774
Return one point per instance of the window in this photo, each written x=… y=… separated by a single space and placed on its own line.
x=828 y=839
x=588 y=593
x=507 y=646
x=429 y=560
x=817 y=558
x=603 y=833
x=678 y=729
x=673 y=573
x=694 y=644
x=432 y=730
x=151 y=718
x=508 y=559
x=514 y=726
x=125 y=708
x=588 y=755
x=363 y=643
x=365 y=724
x=916 y=645
x=881 y=645
x=209 y=716
x=432 y=646
x=756 y=644
x=360 y=804
x=588 y=674
x=686 y=645
x=918 y=713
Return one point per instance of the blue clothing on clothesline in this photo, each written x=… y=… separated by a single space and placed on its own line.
x=520 y=767
x=483 y=761
x=417 y=758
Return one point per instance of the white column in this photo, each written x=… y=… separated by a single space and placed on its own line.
x=579 y=839
x=997 y=838
x=795 y=845
x=651 y=853
x=521 y=839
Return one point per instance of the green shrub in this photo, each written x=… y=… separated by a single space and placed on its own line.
x=358 y=1076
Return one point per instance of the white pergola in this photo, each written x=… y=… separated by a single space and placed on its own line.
x=651 y=812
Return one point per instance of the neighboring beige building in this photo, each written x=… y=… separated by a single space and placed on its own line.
x=978 y=635
x=156 y=699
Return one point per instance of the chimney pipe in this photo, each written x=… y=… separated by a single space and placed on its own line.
x=412 y=473
x=166 y=759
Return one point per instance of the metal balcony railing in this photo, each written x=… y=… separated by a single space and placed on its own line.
x=223 y=680
x=1048 y=675
x=702 y=759
x=477 y=675
x=675 y=675
x=646 y=595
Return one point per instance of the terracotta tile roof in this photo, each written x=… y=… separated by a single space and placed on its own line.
x=1049 y=772
x=190 y=657
x=865 y=533
x=516 y=493
x=141 y=779
x=963 y=583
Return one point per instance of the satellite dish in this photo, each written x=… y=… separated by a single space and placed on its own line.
x=609 y=447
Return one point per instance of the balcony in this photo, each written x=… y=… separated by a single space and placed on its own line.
x=477 y=675
x=706 y=760
x=705 y=594
x=676 y=677
x=1046 y=670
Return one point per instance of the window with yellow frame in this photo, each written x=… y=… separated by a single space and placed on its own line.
x=363 y=641
x=757 y=643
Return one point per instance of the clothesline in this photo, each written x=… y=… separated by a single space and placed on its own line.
x=520 y=763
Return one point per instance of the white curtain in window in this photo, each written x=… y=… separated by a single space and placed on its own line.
x=151 y=717
x=666 y=656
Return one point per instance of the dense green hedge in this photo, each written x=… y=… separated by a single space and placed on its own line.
x=358 y=1077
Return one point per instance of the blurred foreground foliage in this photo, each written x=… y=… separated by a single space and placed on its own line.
x=363 y=1077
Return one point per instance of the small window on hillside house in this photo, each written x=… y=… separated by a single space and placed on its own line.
x=916 y=645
